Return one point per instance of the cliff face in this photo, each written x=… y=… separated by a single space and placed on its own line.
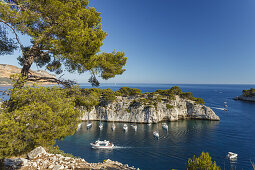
x=7 y=70
x=126 y=109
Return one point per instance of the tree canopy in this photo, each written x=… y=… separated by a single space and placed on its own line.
x=64 y=35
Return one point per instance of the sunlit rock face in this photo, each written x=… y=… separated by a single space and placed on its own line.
x=129 y=109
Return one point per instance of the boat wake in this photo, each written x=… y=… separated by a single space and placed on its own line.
x=122 y=147
x=218 y=108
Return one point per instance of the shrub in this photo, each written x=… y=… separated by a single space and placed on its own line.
x=199 y=101
x=203 y=162
x=36 y=117
x=168 y=106
x=249 y=93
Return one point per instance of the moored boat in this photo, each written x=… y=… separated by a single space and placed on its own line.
x=156 y=134
x=165 y=126
x=232 y=155
x=89 y=125
x=125 y=127
x=102 y=144
x=101 y=126
x=134 y=127
x=113 y=127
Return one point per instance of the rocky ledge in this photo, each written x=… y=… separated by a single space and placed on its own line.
x=247 y=95
x=40 y=159
x=133 y=109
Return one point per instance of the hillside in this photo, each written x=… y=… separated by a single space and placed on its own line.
x=7 y=70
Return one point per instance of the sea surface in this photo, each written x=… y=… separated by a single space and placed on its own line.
x=235 y=132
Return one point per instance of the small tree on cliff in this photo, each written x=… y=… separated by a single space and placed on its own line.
x=204 y=162
x=63 y=34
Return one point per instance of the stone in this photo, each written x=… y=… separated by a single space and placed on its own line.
x=57 y=167
x=36 y=152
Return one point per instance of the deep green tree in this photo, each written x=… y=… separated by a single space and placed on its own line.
x=36 y=116
x=204 y=162
x=64 y=35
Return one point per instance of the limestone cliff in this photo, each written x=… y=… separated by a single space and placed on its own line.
x=7 y=70
x=130 y=109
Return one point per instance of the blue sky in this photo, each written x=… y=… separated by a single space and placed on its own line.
x=178 y=41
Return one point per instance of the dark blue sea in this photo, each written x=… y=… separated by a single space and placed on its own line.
x=235 y=132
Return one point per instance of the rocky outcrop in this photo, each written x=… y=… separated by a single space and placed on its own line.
x=244 y=98
x=43 y=160
x=129 y=109
x=7 y=70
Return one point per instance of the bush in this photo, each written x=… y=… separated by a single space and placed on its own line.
x=249 y=93
x=203 y=162
x=36 y=117
x=199 y=101
x=126 y=91
x=108 y=95
x=168 y=106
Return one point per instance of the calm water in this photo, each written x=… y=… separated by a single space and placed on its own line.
x=235 y=132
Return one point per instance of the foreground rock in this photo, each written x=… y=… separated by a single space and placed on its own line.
x=130 y=109
x=40 y=159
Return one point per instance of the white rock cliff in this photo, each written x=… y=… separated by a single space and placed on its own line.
x=124 y=109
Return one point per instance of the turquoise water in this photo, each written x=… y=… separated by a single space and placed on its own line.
x=185 y=138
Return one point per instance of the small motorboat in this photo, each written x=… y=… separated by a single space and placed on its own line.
x=149 y=124
x=113 y=127
x=134 y=127
x=225 y=106
x=102 y=144
x=165 y=126
x=89 y=125
x=225 y=109
x=232 y=155
x=125 y=127
x=156 y=134
x=79 y=126
x=101 y=126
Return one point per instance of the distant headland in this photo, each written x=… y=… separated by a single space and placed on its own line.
x=247 y=95
x=7 y=70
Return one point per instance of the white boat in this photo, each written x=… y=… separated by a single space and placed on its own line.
x=113 y=127
x=156 y=134
x=225 y=105
x=79 y=126
x=134 y=127
x=101 y=126
x=225 y=102
x=102 y=144
x=232 y=155
x=149 y=124
x=125 y=127
x=89 y=125
x=165 y=126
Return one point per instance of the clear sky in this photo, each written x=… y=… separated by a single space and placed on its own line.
x=178 y=41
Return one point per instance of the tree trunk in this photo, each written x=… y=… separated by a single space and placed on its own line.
x=29 y=60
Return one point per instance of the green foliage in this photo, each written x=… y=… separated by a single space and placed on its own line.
x=63 y=34
x=169 y=106
x=56 y=150
x=108 y=95
x=203 y=162
x=36 y=116
x=7 y=45
x=199 y=101
x=187 y=95
x=249 y=93
x=126 y=91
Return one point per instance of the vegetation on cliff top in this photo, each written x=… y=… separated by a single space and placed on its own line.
x=249 y=93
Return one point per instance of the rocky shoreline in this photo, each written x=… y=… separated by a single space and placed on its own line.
x=244 y=98
x=131 y=109
x=40 y=159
